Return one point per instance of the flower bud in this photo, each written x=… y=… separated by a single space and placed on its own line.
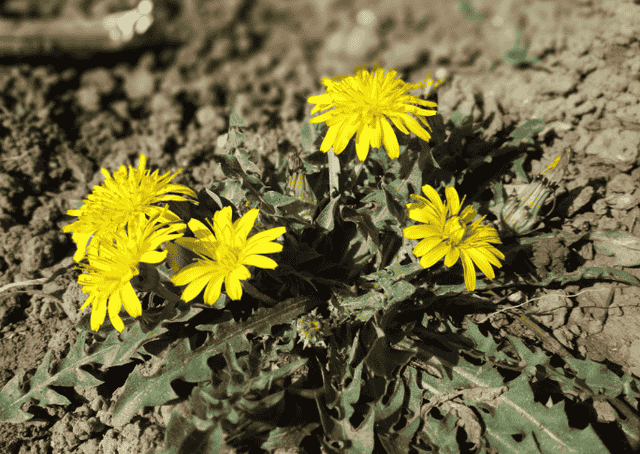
x=521 y=211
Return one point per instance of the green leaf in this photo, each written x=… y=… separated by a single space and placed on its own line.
x=517 y=168
x=524 y=133
x=469 y=11
x=326 y=218
x=277 y=199
x=400 y=291
x=245 y=162
x=458 y=119
x=235 y=138
x=363 y=307
x=287 y=438
x=68 y=373
x=182 y=433
x=235 y=120
x=623 y=245
x=597 y=376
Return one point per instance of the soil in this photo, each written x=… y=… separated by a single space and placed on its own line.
x=66 y=118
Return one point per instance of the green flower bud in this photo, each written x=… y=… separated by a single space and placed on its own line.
x=520 y=214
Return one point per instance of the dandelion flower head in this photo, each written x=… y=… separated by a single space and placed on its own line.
x=119 y=199
x=363 y=105
x=447 y=232
x=224 y=253
x=112 y=264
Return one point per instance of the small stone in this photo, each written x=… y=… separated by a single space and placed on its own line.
x=605 y=411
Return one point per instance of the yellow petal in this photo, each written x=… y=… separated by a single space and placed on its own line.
x=330 y=138
x=260 y=261
x=98 y=313
x=390 y=140
x=433 y=249
x=200 y=230
x=434 y=255
x=433 y=196
x=232 y=285
x=264 y=236
x=452 y=257
x=490 y=254
x=398 y=123
x=374 y=132
x=345 y=134
x=195 y=287
x=414 y=232
x=202 y=247
x=362 y=145
x=193 y=271
x=244 y=225
x=453 y=200
x=427 y=214
x=88 y=301
x=214 y=289
x=415 y=128
x=263 y=248
x=153 y=256
x=222 y=225
x=130 y=301
x=481 y=261
x=115 y=304
x=469 y=271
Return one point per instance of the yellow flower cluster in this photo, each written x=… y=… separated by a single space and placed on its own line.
x=119 y=228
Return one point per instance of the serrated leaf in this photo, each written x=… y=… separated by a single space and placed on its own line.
x=68 y=373
x=597 y=376
x=525 y=132
x=355 y=440
x=623 y=245
x=523 y=416
x=140 y=391
x=596 y=272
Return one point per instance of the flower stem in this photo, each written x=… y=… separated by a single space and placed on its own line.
x=164 y=292
x=334 y=172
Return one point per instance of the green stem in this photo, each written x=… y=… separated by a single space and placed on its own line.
x=164 y=292
x=334 y=172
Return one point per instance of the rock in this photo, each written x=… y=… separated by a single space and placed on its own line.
x=551 y=309
x=616 y=147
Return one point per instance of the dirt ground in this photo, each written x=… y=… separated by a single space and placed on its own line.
x=65 y=118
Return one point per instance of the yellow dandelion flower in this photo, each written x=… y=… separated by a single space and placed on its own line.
x=118 y=200
x=452 y=234
x=363 y=105
x=112 y=265
x=225 y=252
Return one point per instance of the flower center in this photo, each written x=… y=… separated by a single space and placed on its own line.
x=455 y=230
x=227 y=256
